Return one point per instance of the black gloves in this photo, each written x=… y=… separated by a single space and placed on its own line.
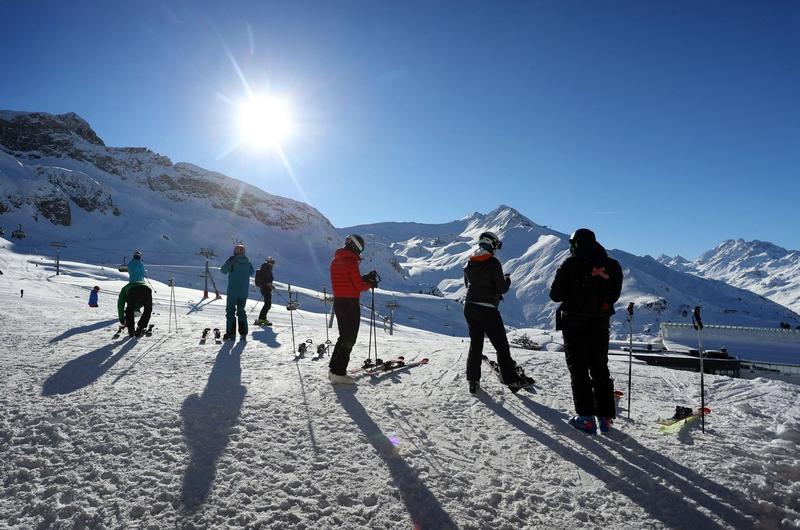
x=372 y=278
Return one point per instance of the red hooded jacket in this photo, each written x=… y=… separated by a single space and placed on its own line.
x=345 y=276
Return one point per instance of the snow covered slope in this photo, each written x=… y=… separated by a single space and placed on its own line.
x=434 y=256
x=758 y=266
x=162 y=432
x=61 y=183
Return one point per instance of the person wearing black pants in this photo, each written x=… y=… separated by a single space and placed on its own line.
x=588 y=284
x=266 y=278
x=133 y=296
x=348 y=284
x=348 y=319
x=586 y=351
x=486 y=322
x=486 y=283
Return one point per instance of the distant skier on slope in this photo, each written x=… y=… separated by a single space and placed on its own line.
x=132 y=297
x=588 y=284
x=93 y=296
x=264 y=281
x=136 y=270
x=240 y=270
x=486 y=283
x=348 y=285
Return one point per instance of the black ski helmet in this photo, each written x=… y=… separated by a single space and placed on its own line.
x=355 y=243
x=490 y=239
x=270 y=261
x=137 y=254
x=580 y=237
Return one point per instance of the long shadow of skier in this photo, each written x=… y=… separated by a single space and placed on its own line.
x=267 y=336
x=86 y=369
x=645 y=489
x=422 y=506
x=207 y=422
x=83 y=329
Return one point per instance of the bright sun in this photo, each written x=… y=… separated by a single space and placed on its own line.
x=265 y=122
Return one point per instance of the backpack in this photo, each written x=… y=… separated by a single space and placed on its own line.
x=592 y=293
x=260 y=277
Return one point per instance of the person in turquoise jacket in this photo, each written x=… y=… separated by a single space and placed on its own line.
x=240 y=270
x=136 y=268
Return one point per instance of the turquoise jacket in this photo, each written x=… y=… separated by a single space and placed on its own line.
x=136 y=270
x=240 y=270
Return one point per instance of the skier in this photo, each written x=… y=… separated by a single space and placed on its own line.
x=486 y=283
x=240 y=270
x=347 y=284
x=93 y=296
x=132 y=297
x=136 y=268
x=264 y=281
x=588 y=284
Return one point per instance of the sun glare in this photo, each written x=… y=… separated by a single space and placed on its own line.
x=265 y=122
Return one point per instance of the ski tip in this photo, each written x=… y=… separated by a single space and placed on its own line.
x=424 y=361
x=619 y=393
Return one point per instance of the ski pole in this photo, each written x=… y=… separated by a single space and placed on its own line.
x=374 y=328
x=372 y=315
x=630 y=354
x=325 y=304
x=291 y=307
x=698 y=325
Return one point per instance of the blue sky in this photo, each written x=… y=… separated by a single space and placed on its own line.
x=664 y=126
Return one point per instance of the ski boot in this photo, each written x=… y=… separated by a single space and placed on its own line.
x=229 y=336
x=604 y=423
x=341 y=379
x=584 y=423
x=474 y=386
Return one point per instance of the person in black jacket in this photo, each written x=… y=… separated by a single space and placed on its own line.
x=486 y=283
x=588 y=284
x=264 y=279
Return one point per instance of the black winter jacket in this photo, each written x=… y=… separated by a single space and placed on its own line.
x=484 y=279
x=587 y=285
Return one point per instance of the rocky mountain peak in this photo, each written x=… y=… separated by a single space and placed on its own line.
x=50 y=134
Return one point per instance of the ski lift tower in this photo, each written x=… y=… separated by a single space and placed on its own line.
x=392 y=305
x=208 y=253
x=58 y=247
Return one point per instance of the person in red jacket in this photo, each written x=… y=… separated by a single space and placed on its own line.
x=347 y=284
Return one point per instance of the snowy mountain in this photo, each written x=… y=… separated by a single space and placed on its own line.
x=61 y=183
x=433 y=255
x=758 y=266
x=162 y=432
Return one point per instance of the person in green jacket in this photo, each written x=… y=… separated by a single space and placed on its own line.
x=240 y=270
x=132 y=297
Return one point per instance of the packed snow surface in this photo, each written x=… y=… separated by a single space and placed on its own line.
x=162 y=432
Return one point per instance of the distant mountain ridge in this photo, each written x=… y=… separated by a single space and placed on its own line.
x=62 y=183
x=434 y=255
x=758 y=266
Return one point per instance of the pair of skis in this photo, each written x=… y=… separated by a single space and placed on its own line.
x=383 y=367
x=521 y=375
x=683 y=417
x=217 y=336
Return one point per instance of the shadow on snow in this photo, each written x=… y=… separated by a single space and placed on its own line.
x=83 y=329
x=422 y=506
x=86 y=369
x=662 y=490
x=207 y=422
